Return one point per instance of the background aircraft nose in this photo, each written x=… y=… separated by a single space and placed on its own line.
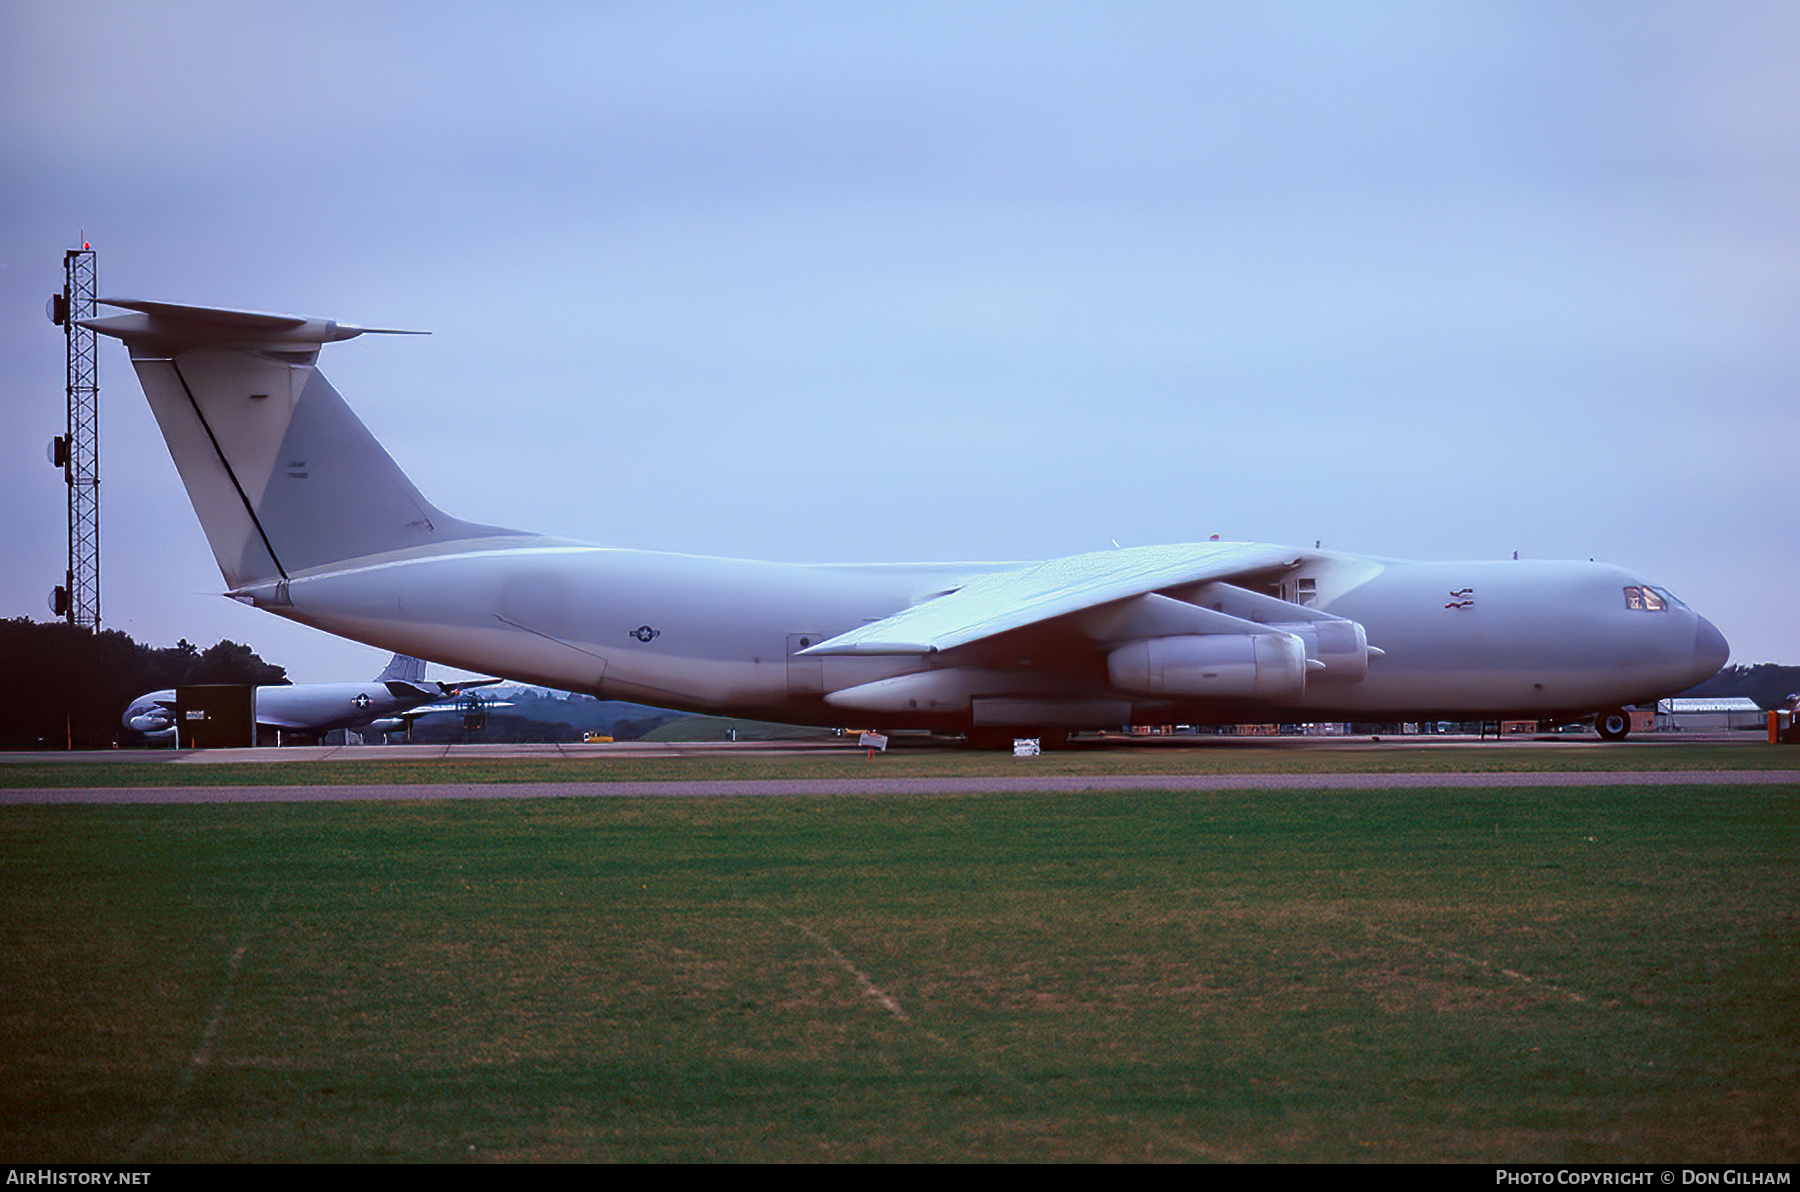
x=1710 y=649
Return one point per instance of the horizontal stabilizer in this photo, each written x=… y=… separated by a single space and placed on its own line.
x=169 y=327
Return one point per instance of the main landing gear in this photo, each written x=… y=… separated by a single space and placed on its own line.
x=1612 y=724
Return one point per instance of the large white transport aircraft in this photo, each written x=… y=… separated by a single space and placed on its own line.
x=310 y=519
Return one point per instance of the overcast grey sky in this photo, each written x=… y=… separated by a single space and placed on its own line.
x=839 y=281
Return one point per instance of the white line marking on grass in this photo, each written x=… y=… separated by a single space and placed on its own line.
x=202 y=1056
x=869 y=987
x=1020 y=1088
x=1509 y=974
x=887 y=1002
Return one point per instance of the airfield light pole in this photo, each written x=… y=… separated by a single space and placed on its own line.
x=77 y=451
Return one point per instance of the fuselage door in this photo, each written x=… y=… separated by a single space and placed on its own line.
x=805 y=676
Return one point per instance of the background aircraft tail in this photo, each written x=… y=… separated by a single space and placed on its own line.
x=403 y=668
x=283 y=475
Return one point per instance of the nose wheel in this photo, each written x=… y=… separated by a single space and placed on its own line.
x=1612 y=724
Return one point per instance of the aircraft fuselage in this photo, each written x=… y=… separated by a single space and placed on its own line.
x=1451 y=639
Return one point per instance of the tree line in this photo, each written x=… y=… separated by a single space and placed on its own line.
x=1768 y=683
x=67 y=687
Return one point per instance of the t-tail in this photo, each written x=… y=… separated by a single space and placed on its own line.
x=284 y=477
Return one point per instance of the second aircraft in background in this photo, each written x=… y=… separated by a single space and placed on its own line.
x=302 y=713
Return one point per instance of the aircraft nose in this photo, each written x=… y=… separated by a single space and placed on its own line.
x=1710 y=649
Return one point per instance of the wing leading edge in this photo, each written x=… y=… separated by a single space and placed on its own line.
x=1000 y=601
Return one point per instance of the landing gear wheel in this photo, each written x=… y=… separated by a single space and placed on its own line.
x=1612 y=724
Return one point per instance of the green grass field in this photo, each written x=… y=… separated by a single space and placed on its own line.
x=1219 y=755
x=1596 y=974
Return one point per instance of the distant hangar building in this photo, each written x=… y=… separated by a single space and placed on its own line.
x=1696 y=715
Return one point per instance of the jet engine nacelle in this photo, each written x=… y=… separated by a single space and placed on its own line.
x=152 y=716
x=1339 y=647
x=1265 y=666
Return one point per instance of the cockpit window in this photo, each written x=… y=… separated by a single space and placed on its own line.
x=1645 y=599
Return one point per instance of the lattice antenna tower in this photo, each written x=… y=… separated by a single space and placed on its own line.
x=78 y=451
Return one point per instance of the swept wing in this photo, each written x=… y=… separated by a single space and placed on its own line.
x=1002 y=601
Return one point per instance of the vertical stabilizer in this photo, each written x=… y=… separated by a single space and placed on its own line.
x=284 y=476
x=403 y=669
